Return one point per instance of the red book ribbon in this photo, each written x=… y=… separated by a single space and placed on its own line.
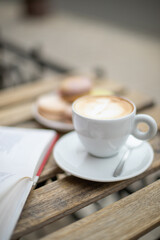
x=47 y=155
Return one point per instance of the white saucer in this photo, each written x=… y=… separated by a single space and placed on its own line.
x=57 y=125
x=71 y=156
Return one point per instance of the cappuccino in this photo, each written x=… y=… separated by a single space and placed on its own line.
x=103 y=107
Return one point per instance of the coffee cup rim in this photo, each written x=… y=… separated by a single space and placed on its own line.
x=104 y=120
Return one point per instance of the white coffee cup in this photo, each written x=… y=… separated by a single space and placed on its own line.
x=105 y=137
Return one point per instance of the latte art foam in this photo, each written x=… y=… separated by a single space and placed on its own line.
x=100 y=107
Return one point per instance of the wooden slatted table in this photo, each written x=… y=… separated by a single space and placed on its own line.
x=117 y=221
x=52 y=200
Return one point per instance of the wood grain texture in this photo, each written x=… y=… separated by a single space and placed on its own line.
x=63 y=197
x=16 y=114
x=128 y=218
x=29 y=124
x=155 y=113
x=50 y=170
x=26 y=92
x=141 y=100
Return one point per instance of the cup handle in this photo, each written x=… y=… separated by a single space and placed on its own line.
x=151 y=124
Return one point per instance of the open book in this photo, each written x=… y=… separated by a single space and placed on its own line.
x=23 y=154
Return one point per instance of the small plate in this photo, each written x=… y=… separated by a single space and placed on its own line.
x=71 y=156
x=57 y=125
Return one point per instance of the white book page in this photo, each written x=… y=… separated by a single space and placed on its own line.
x=21 y=150
x=11 y=207
x=7 y=182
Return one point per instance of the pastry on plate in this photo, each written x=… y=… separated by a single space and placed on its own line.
x=74 y=86
x=53 y=107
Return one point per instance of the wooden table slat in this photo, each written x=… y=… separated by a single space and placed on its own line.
x=128 y=218
x=63 y=197
x=141 y=100
x=50 y=170
x=29 y=124
x=26 y=92
x=16 y=114
x=155 y=113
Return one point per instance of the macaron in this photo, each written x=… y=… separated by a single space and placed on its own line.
x=53 y=107
x=73 y=87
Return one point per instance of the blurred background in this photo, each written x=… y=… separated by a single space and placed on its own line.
x=119 y=39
